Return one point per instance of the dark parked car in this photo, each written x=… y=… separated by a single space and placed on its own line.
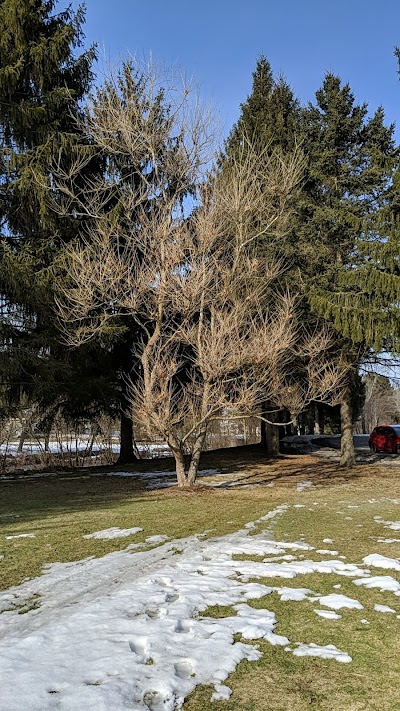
x=385 y=438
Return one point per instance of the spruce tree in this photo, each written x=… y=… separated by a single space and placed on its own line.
x=42 y=83
x=341 y=247
x=270 y=115
x=269 y=120
x=350 y=279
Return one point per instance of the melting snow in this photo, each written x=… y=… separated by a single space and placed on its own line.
x=394 y=525
x=385 y=583
x=22 y=535
x=336 y=602
x=329 y=614
x=384 y=608
x=381 y=561
x=113 y=533
x=314 y=650
x=128 y=630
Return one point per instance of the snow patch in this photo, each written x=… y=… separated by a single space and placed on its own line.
x=113 y=533
x=131 y=626
x=336 y=602
x=328 y=614
x=314 y=650
x=221 y=693
x=384 y=608
x=381 y=561
x=385 y=583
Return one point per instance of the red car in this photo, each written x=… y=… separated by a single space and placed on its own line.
x=385 y=438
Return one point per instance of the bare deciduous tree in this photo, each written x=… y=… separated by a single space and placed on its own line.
x=218 y=337
x=381 y=405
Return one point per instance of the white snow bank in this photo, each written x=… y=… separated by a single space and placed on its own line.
x=21 y=535
x=113 y=533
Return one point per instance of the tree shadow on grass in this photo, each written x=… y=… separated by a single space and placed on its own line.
x=26 y=498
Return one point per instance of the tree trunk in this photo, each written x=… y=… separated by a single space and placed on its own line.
x=363 y=423
x=295 y=424
x=269 y=432
x=263 y=440
x=126 y=453
x=22 y=439
x=319 y=419
x=311 y=419
x=180 y=468
x=347 y=453
x=272 y=439
x=195 y=459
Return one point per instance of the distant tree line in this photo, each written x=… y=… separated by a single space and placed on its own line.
x=147 y=273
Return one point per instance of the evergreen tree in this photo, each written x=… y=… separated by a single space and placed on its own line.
x=269 y=120
x=350 y=278
x=42 y=83
x=270 y=115
x=340 y=249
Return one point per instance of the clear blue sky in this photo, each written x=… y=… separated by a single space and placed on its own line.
x=218 y=42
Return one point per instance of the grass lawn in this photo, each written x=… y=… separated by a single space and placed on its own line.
x=340 y=506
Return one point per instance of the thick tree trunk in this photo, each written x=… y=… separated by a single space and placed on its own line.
x=272 y=440
x=347 y=453
x=195 y=459
x=269 y=432
x=311 y=419
x=126 y=453
x=180 y=468
x=295 y=424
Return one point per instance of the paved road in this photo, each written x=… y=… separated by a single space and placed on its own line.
x=360 y=442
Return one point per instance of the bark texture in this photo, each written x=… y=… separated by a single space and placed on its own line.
x=347 y=453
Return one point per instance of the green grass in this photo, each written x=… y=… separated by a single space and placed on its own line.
x=281 y=681
x=60 y=510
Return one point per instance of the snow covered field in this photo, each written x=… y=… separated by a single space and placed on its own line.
x=129 y=630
